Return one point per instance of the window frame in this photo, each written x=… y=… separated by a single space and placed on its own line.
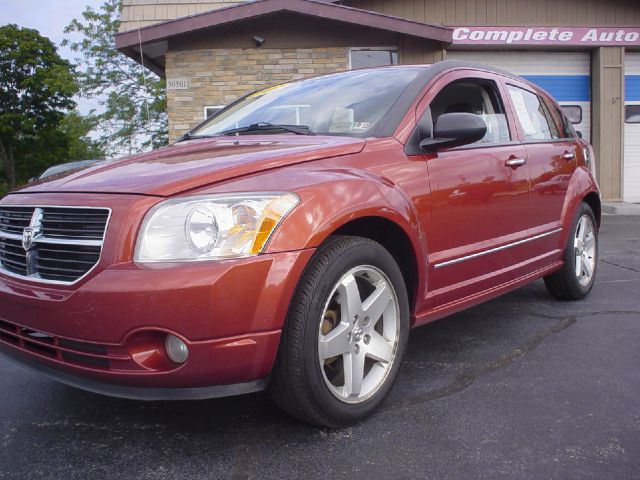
x=388 y=48
x=206 y=107
x=575 y=106
x=637 y=105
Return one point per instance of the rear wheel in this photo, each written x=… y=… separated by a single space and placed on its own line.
x=575 y=280
x=345 y=334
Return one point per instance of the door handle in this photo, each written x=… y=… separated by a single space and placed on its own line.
x=568 y=156
x=515 y=162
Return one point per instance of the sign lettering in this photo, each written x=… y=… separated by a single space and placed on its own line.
x=584 y=36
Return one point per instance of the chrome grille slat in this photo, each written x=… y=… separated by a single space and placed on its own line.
x=66 y=247
x=71 y=223
x=14 y=263
x=65 y=260
x=15 y=221
x=13 y=254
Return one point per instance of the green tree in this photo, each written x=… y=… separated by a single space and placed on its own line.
x=134 y=102
x=36 y=88
x=78 y=130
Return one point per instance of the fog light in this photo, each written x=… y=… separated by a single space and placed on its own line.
x=177 y=350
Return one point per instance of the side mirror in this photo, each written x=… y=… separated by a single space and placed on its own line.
x=454 y=130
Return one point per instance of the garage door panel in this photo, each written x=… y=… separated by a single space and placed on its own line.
x=631 y=187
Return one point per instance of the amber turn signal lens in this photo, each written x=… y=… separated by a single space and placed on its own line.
x=271 y=217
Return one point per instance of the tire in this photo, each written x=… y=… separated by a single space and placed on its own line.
x=306 y=380
x=582 y=246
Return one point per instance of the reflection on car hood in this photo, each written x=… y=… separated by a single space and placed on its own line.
x=187 y=165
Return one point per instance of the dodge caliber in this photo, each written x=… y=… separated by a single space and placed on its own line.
x=291 y=241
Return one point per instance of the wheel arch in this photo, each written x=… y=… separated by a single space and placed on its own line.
x=593 y=200
x=367 y=206
x=582 y=188
x=395 y=240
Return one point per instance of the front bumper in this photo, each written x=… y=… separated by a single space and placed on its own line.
x=107 y=334
x=135 y=393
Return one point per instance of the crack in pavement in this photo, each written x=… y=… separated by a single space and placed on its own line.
x=247 y=455
x=468 y=377
x=618 y=265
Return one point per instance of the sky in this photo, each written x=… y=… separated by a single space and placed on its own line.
x=49 y=17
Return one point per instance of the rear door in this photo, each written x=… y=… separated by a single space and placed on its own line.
x=551 y=155
x=479 y=192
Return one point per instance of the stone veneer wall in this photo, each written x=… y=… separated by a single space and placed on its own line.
x=220 y=76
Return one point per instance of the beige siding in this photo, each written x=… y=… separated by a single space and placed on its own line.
x=220 y=76
x=140 y=13
x=510 y=12
x=412 y=51
x=608 y=119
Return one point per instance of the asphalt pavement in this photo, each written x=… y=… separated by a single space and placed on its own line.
x=522 y=387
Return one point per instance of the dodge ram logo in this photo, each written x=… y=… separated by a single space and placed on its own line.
x=28 y=237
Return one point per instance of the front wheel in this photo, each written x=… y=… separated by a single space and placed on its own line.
x=345 y=334
x=575 y=279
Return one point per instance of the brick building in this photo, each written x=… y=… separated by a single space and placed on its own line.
x=584 y=52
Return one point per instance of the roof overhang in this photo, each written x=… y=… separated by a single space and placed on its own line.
x=154 y=39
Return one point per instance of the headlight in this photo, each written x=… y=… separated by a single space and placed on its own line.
x=212 y=226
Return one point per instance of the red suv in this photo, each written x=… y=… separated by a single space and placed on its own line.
x=292 y=240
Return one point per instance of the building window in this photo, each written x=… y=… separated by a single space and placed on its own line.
x=573 y=113
x=372 y=57
x=210 y=110
x=632 y=114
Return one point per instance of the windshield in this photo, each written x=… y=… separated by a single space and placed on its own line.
x=348 y=103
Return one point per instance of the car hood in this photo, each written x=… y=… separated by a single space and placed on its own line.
x=195 y=163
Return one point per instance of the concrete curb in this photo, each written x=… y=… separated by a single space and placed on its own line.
x=622 y=208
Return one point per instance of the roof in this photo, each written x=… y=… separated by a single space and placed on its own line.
x=154 y=37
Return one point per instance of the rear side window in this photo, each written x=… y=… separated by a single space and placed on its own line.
x=534 y=116
x=477 y=96
x=565 y=129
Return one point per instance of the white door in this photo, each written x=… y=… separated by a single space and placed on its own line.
x=565 y=75
x=631 y=192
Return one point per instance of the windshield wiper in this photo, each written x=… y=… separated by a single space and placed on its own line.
x=266 y=126
x=254 y=127
x=188 y=136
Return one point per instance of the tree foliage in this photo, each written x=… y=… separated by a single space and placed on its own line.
x=133 y=100
x=79 y=130
x=36 y=89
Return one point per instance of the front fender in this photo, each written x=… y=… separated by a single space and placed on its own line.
x=342 y=196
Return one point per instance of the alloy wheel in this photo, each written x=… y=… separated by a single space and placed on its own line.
x=359 y=334
x=584 y=245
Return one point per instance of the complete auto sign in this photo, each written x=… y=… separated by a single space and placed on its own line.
x=586 y=36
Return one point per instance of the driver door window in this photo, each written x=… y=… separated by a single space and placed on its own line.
x=477 y=96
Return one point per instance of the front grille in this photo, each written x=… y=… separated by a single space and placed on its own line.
x=66 y=241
